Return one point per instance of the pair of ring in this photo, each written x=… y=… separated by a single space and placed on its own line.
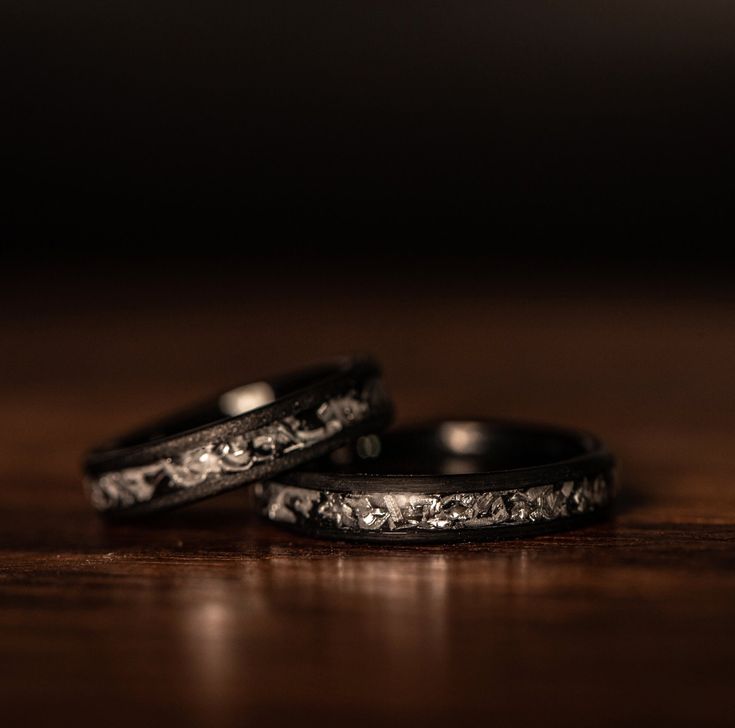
x=312 y=446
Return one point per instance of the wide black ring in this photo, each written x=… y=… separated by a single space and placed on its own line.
x=455 y=480
x=244 y=435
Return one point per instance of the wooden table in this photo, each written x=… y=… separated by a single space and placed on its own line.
x=207 y=616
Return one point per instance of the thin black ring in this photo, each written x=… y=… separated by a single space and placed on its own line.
x=321 y=409
x=313 y=500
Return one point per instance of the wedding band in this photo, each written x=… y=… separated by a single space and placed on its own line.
x=449 y=481
x=244 y=435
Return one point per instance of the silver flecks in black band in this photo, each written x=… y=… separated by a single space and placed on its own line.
x=372 y=504
x=279 y=432
x=421 y=512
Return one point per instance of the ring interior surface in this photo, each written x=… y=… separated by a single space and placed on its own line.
x=453 y=480
x=243 y=435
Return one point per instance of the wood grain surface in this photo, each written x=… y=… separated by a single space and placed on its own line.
x=208 y=617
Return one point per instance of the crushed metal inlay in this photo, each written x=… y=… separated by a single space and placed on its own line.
x=406 y=512
x=130 y=486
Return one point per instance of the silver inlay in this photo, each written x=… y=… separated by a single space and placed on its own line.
x=131 y=486
x=405 y=512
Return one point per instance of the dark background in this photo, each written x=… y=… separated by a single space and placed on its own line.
x=593 y=129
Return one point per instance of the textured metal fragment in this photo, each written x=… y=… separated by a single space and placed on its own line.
x=240 y=453
x=407 y=512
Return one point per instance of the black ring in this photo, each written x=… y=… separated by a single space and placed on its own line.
x=244 y=435
x=455 y=480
